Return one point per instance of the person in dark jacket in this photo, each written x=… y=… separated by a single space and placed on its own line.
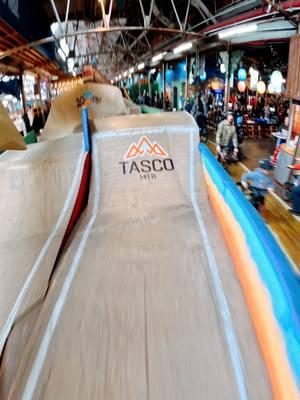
x=36 y=121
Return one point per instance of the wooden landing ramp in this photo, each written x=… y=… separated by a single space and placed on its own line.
x=285 y=227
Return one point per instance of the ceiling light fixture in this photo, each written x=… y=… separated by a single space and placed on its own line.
x=141 y=66
x=131 y=71
x=183 y=47
x=64 y=45
x=61 y=54
x=158 y=57
x=237 y=31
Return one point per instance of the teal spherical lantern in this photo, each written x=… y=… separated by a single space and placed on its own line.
x=203 y=76
x=242 y=74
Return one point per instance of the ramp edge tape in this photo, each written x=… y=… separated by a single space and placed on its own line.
x=80 y=202
x=287 y=317
x=84 y=187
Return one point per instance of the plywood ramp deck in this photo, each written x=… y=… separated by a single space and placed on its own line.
x=133 y=312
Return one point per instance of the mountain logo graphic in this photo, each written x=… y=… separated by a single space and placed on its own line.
x=145 y=147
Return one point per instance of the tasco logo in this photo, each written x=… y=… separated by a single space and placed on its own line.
x=145 y=147
x=147 y=168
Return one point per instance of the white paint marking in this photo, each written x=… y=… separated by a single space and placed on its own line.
x=36 y=266
x=141 y=131
x=48 y=334
x=232 y=342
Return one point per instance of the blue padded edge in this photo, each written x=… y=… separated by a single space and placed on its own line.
x=85 y=126
x=273 y=266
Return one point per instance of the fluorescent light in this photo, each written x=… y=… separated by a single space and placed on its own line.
x=54 y=28
x=71 y=64
x=64 y=45
x=183 y=47
x=120 y=76
x=112 y=81
x=125 y=74
x=158 y=57
x=152 y=71
x=131 y=71
x=61 y=54
x=237 y=30
x=116 y=78
x=141 y=66
x=223 y=68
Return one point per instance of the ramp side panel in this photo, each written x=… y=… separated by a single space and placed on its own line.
x=254 y=249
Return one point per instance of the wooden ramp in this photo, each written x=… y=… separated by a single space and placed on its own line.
x=144 y=303
x=284 y=226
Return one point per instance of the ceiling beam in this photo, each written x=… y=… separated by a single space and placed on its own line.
x=51 y=39
x=203 y=10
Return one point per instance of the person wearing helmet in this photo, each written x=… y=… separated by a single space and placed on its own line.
x=260 y=180
x=226 y=134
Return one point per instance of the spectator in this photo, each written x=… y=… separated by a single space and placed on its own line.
x=198 y=111
x=40 y=118
x=188 y=106
x=295 y=192
x=26 y=122
x=283 y=131
x=295 y=197
x=36 y=121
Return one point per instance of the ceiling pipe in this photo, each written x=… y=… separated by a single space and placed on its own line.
x=250 y=16
x=67 y=15
x=57 y=16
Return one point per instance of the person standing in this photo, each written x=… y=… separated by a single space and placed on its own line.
x=295 y=191
x=188 y=106
x=226 y=134
x=198 y=111
x=283 y=131
x=30 y=116
x=36 y=123
x=295 y=197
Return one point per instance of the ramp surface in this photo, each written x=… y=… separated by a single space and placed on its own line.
x=10 y=138
x=38 y=189
x=145 y=303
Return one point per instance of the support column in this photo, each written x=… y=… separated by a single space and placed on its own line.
x=164 y=84
x=22 y=89
x=139 y=85
x=227 y=81
x=149 y=86
x=291 y=122
x=40 y=98
x=187 y=74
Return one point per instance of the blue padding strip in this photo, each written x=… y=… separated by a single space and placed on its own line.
x=272 y=264
x=85 y=126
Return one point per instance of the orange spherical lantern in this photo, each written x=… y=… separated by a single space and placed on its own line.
x=242 y=86
x=261 y=87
